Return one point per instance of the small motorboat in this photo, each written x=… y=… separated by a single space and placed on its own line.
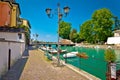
x=63 y=51
x=44 y=48
x=71 y=54
x=53 y=51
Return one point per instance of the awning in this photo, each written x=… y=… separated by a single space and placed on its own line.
x=113 y=40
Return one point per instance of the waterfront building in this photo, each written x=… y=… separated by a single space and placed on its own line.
x=117 y=33
x=13 y=38
x=5 y=14
x=12 y=46
x=65 y=41
x=15 y=13
x=25 y=23
x=9 y=14
x=13 y=1
x=115 y=40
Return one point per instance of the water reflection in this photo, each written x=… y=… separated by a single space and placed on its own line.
x=117 y=52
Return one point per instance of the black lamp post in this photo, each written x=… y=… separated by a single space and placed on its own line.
x=60 y=15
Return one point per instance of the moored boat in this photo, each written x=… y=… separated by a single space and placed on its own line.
x=71 y=54
x=53 y=51
x=82 y=55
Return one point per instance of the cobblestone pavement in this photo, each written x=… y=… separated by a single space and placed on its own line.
x=37 y=67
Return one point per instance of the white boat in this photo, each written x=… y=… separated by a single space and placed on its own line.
x=71 y=54
x=53 y=51
x=44 y=48
x=63 y=51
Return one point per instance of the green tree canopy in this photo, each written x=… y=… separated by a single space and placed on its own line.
x=86 y=31
x=110 y=55
x=74 y=35
x=102 y=20
x=64 y=29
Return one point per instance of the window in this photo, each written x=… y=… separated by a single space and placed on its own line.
x=20 y=35
x=9 y=13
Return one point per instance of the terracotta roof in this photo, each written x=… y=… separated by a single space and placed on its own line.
x=65 y=41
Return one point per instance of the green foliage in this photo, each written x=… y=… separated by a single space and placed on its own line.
x=64 y=29
x=86 y=31
x=102 y=21
x=110 y=55
x=98 y=29
x=73 y=35
x=24 y=27
x=35 y=36
x=27 y=32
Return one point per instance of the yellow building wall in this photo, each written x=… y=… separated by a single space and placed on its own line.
x=25 y=22
x=13 y=17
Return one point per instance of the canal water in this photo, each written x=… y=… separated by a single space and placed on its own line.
x=95 y=64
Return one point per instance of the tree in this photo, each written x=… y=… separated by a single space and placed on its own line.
x=64 y=29
x=110 y=57
x=86 y=31
x=102 y=20
x=73 y=35
x=36 y=35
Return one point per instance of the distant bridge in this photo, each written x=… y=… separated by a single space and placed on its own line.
x=52 y=43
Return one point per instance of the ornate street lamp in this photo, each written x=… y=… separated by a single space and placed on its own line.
x=60 y=15
x=48 y=11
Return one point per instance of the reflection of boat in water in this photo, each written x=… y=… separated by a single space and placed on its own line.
x=71 y=54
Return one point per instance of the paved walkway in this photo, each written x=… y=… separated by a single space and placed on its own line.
x=36 y=67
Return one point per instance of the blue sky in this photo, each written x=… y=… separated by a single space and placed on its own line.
x=80 y=11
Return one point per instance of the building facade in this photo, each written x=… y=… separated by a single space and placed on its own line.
x=12 y=46
x=13 y=1
x=5 y=14
x=26 y=23
x=15 y=13
x=12 y=37
x=117 y=33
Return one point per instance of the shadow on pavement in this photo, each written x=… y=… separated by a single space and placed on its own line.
x=33 y=47
x=16 y=70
